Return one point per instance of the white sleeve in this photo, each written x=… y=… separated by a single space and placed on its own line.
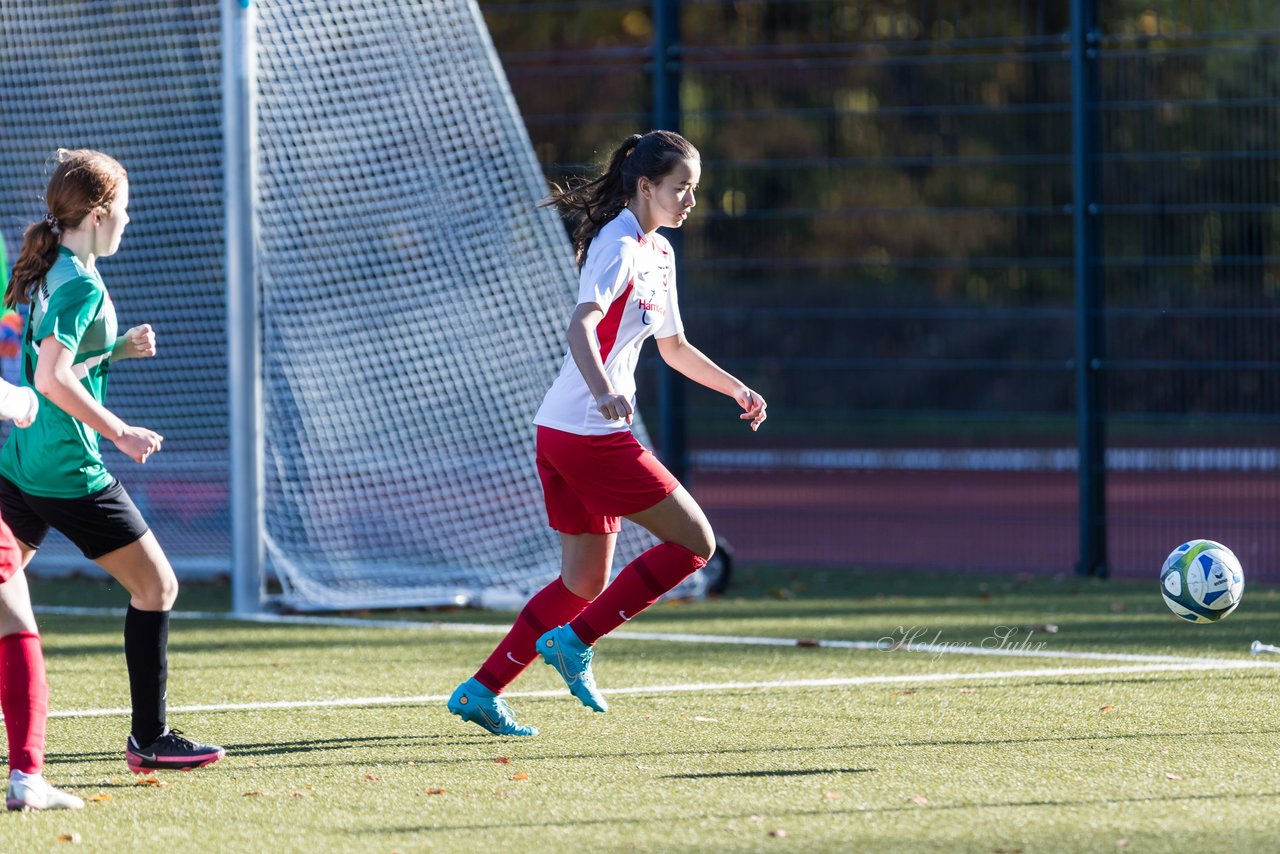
x=606 y=276
x=17 y=402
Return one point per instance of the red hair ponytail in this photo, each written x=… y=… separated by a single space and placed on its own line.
x=84 y=181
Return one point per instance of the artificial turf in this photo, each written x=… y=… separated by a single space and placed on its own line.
x=947 y=758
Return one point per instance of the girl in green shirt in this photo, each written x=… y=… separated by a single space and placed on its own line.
x=51 y=474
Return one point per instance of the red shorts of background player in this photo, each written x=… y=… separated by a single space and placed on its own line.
x=590 y=482
x=10 y=554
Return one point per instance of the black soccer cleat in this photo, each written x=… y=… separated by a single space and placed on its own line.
x=170 y=752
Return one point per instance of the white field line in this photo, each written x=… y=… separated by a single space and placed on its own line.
x=990 y=459
x=1011 y=645
x=706 y=687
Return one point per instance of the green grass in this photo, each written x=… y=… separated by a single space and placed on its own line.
x=1142 y=761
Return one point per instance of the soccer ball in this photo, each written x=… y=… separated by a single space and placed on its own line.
x=1201 y=581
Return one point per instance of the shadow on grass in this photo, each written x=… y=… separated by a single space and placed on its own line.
x=781 y=814
x=824 y=749
x=794 y=772
x=288 y=748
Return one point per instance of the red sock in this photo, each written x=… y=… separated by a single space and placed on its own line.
x=553 y=605
x=24 y=699
x=641 y=583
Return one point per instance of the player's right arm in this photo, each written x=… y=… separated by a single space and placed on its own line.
x=18 y=403
x=604 y=278
x=586 y=355
x=56 y=381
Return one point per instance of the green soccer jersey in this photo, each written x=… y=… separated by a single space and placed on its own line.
x=58 y=456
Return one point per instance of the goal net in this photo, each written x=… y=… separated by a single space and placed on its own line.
x=140 y=81
x=413 y=297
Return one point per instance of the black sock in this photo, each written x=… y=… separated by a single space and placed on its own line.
x=146 y=643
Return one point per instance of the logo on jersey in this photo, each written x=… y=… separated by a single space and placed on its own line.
x=649 y=305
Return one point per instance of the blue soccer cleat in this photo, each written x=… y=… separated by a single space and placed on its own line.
x=571 y=658
x=473 y=702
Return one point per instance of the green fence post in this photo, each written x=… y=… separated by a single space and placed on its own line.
x=1090 y=418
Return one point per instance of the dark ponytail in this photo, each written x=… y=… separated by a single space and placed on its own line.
x=83 y=181
x=590 y=205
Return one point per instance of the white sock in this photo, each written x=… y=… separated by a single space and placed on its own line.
x=21 y=777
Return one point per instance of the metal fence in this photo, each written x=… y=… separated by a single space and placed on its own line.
x=1005 y=270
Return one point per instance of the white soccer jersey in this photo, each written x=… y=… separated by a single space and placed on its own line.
x=632 y=277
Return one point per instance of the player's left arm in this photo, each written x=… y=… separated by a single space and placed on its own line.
x=693 y=363
x=138 y=343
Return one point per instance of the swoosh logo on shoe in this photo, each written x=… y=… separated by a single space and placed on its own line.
x=564 y=668
x=623 y=615
x=141 y=755
x=513 y=659
x=489 y=720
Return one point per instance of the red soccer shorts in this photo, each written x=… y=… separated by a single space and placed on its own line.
x=10 y=554
x=590 y=482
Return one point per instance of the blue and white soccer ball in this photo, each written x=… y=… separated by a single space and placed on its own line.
x=1202 y=581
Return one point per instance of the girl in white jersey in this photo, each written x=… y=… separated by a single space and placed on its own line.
x=592 y=468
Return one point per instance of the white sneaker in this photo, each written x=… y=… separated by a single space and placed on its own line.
x=33 y=792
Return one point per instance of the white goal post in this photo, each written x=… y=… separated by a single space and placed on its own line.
x=411 y=302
